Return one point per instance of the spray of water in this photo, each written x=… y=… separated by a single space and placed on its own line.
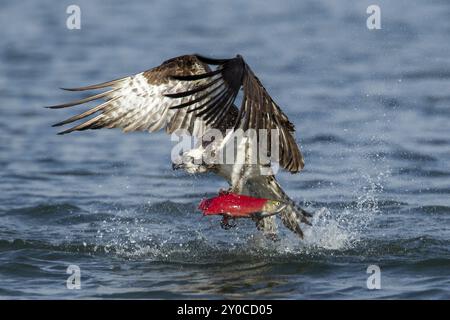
x=344 y=228
x=333 y=228
x=337 y=229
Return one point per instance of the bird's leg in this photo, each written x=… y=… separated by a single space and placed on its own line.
x=224 y=192
x=237 y=177
x=225 y=224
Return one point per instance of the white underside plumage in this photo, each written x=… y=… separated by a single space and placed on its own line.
x=140 y=103
x=142 y=107
x=248 y=179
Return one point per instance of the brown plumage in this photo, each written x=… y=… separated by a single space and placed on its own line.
x=257 y=111
x=184 y=93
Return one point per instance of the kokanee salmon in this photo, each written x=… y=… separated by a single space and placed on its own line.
x=234 y=205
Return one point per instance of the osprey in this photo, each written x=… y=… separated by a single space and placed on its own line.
x=184 y=95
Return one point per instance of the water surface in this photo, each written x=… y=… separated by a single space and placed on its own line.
x=371 y=110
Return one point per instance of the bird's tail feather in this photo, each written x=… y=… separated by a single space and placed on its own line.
x=291 y=216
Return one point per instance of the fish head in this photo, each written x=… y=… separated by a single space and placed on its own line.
x=273 y=207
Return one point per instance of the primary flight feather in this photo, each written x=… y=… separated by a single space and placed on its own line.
x=184 y=95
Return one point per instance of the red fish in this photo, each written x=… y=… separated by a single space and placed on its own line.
x=232 y=205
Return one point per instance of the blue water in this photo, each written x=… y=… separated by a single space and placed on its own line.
x=372 y=111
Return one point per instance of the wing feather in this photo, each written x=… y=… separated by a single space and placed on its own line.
x=81 y=101
x=257 y=111
x=183 y=93
x=149 y=100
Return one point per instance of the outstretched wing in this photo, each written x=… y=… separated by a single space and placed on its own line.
x=257 y=111
x=138 y=103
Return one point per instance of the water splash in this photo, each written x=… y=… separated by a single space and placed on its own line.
x=176 y=232
x=336 y=229
x=328 y=231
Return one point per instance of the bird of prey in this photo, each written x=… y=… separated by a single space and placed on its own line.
x=185 y=94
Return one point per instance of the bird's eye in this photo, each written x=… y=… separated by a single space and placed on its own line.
x=277 y=203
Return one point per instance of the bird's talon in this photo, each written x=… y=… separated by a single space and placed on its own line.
x=223 y=192
x=225 y=224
